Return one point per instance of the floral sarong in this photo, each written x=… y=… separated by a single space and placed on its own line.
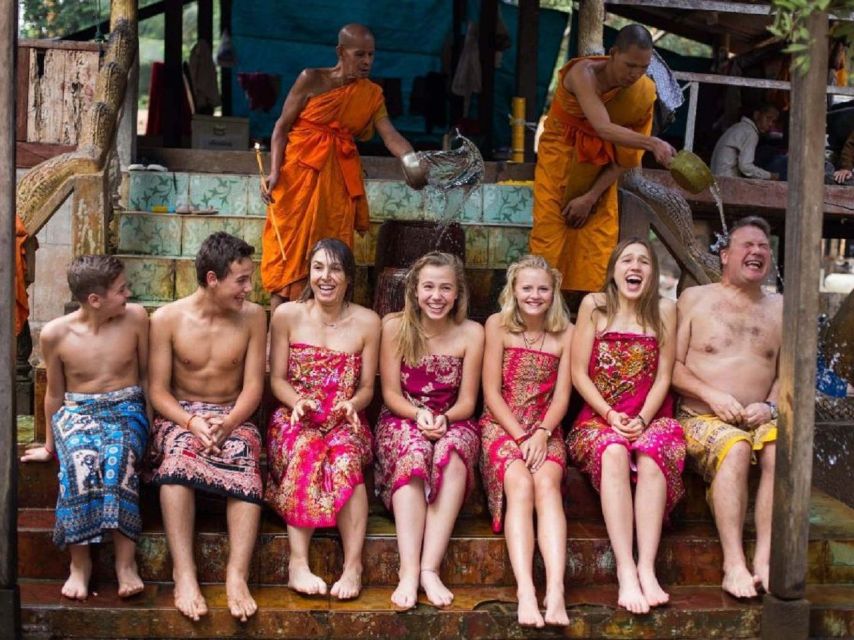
x=403 y=453
x=99 y=439
x=176 y=456
x=527 y=383
x=316 y=463
x=623 y=367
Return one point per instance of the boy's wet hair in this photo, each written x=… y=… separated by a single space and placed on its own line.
x=217 y=253
x=747 y=221
x=92 y=274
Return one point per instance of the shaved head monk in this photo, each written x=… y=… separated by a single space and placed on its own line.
x=315 y=187
x=598 y=126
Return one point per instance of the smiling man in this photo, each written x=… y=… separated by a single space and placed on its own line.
x=206 y=369
x=315 y=188
x=598 y=126
x=727 y=350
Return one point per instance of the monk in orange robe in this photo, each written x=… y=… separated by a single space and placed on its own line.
x=22 y=307
x=315 y=189
x=598 y=126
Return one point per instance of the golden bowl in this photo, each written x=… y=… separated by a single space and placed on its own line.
x=690 y=172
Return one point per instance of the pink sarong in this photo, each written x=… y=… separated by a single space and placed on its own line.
x=527 y=383
x=623 y=367
x=316 y=463
x=402 y=451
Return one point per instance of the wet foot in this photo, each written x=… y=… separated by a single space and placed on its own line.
x=761 y=575
x=631 y=596
x=739 y=582
x=653 y=593
x=130 y=583
x=406 y=594
x=437 y=593
x=188 y=597
x=77 y=585
x=240 y=602
x=528 y=612
x=349 y=585
x=301 y=579
x=555 y=605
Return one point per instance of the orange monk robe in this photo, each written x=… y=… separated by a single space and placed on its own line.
x=320 y=192
x=569 y=158
x=22 y=307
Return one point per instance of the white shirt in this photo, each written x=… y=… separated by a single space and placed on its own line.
x=734 y=152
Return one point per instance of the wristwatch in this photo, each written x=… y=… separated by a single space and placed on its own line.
x=773 y=407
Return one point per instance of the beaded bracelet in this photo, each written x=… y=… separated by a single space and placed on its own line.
x=521 y=438
x=643 y=421
x=608 y=413
x=548 y=433
x=190 y=419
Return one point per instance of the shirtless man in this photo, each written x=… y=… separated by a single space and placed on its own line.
x=728 y=343
x=207 y=377
x=96 y=359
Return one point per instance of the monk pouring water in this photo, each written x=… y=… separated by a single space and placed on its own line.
x=315 y=187
x=598 y=127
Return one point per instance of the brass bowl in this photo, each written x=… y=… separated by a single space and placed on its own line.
x=690 y=172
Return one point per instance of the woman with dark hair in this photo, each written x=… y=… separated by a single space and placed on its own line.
x=622 y=359
x=323 y=362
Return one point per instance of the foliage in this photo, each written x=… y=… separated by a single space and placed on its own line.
x=790 y=22
x=59 y=18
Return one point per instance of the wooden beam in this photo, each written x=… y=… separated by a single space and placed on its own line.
x=526 y=66
x=173 y=37
x=148 y=11
x=742 y=8
x=756 y=83
x=706 y=36
x=10 y=606
x=486 y=100
x=225 y=72
x=784 y=613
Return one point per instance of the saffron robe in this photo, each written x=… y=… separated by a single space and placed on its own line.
x=320 y=192
x=569 y=159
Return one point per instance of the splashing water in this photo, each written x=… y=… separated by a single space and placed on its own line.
x=715 y=190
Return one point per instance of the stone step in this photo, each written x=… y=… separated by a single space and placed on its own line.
x=478 y=613
x=689 y=554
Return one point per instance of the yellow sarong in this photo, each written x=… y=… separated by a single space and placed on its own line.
x=569 y=159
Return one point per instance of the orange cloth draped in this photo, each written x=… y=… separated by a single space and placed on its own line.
x=569 y=159
x=320 y=192
x=22 y=307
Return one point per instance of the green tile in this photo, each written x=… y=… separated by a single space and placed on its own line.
x=153 y=234
x=253 y=231
x=255 y=206
x=150 y=278
x=393 y=199
x=148 y=189
x=197 y=228
x=506 y=245
x=507 y=203
x=477 y=246
x=225 y=193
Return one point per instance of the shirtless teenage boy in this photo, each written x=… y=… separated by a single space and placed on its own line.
x=96 y=359
x=728 y=343
x=207 y=376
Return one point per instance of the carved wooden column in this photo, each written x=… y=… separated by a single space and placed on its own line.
x=591 y=22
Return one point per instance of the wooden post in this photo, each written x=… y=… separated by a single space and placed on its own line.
x=486 y=100
x=225 y=72
x=591 y=20
x=204 y=21
x=785 y=613
x=172 y=36
x=10 y=603
x=526 y=66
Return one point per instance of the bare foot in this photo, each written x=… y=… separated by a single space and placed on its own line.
x=406 y=594
x=739 y=582
x=437 y=593
x=188 y=597
x=652 y=591
x=761 y=575
x=528 y=612
x=630 y=596
x=349 y=585
x=130 y=583
x=240 y=602
x=301 y=579
x=77 y=585
x=555 y=605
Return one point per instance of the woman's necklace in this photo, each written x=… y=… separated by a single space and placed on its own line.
x=341 y=317
x=530 y=343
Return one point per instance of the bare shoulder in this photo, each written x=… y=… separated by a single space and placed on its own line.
x=289 y=312
x=136 y=314
x=471 y=330
x=493 y=324
x=590 y=303
x=666 y=307
x=391 y=322
x=166 y=315
x=692 y=295
x=252 y=311
x=366 y=318
x=55 y=330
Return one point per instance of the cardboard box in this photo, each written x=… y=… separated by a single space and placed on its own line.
x=220 y=133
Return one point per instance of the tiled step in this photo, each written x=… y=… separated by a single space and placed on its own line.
x=477 y=613
x=689 y=554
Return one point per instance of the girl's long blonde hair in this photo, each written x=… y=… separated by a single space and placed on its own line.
x=411 y=342
x=648 y=312
x=557 y=317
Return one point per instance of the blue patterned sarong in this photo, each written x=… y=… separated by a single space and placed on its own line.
x=100 y=439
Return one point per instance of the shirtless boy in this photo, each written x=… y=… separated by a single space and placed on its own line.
x=207 y=376
x=728 y=343
x=96 y=359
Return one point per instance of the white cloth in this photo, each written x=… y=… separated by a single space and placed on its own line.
x=734 y=152
x=203 y=77
x=467 y=78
